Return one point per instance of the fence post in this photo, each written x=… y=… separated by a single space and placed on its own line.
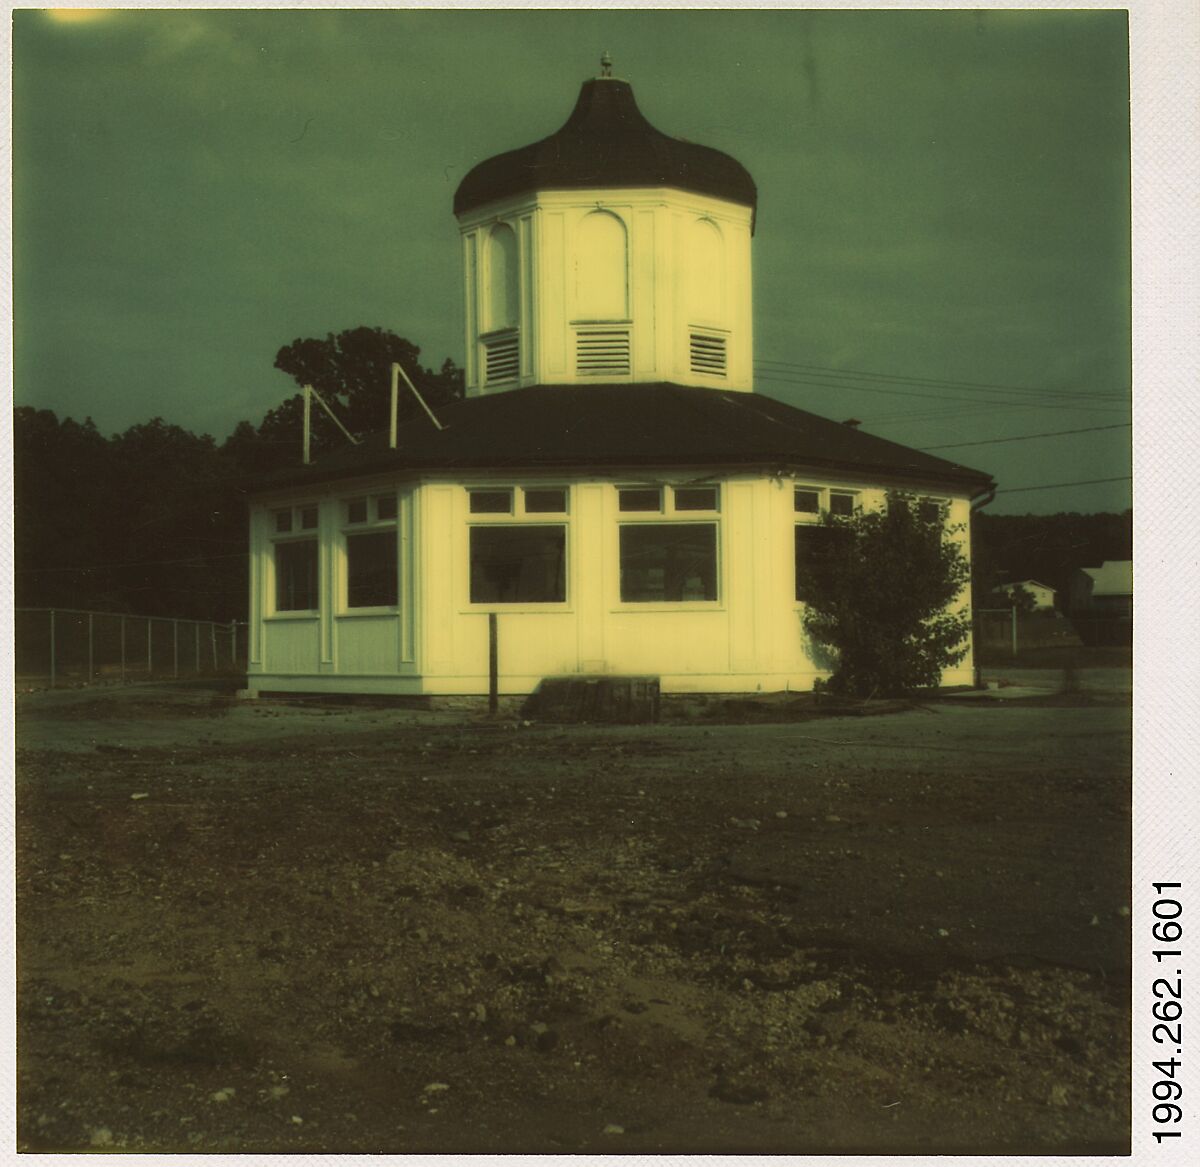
x=52 y=676
x=91 y=648
x=122 y=650
x=175 y=645
x=196 y=629
x=212 y=629
x=1014 y=629
x=149 y=648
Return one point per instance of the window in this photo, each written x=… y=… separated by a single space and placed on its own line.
x=813 y=542
x=546 y=501
x=513 y=564
x=931 y=510
x=695 y=498
x=296 y=575
x=372 y=576
x=491 y=502
x=808 y=500
x=841 y=502
x=638 y=498
x=668 y=562
x=287 y=519
x=812 y=500
x=372 y=551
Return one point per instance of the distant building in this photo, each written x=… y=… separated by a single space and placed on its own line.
x=1106 y=590
x=1043 y=594
x=612 y=489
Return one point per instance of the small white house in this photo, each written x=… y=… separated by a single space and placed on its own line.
x=1043 y=594
x=612 y=489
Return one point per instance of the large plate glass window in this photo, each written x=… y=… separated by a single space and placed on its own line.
x=667 y=562
x=518 y=564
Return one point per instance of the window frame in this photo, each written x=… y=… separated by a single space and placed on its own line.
x=824 y=496
x=371 y=525
x=669 y=515
x=297 y=532
x=518 y=516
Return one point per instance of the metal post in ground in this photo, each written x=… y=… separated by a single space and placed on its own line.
x=196 y=628
x=212 y=628
x=233 y=643
x=175 y=646
x=122 y=650
x=1014 y=630
x=149 y=648
x=91 y=649
x=493 y=666
x=52 y=676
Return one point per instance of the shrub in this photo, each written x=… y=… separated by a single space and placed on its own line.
x=878 y=588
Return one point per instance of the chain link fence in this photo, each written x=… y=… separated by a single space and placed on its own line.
x=65 y=647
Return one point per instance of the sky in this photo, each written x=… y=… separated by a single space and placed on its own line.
x=943 y=234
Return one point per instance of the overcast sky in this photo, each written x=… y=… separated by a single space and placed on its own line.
x=943 y=197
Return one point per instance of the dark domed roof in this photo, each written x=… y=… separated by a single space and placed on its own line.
x=606 y=142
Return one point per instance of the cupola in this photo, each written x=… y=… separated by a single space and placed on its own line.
x=606 y=253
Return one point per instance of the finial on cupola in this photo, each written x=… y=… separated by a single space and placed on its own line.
x=605 y=65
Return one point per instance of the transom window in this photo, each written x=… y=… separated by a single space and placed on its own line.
x=811 y=501
x=295 y=518
x=517 y=501
x=668 y=499
x=373 y=509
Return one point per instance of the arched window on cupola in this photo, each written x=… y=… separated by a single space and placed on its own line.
x=601 y=317
x=501 y=340
x=707 y=291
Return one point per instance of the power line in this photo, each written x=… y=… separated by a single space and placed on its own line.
x=1091 y=429
x=892 y=392
x=826 y=370
x=1055 y=485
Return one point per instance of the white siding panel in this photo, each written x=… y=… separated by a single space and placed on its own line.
x=368 y=644
x=291 y=646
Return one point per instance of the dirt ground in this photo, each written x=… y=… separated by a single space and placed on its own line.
x=257 y=927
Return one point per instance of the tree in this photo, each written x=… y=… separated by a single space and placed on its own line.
x=1022 y=599
x=352 y=370
x=880 y=589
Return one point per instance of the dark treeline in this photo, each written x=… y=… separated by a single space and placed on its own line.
x=1047 y=548
x=152 y=521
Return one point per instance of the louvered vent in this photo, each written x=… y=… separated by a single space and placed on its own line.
x=503 y=355
x=708 y=354
x=602 y=352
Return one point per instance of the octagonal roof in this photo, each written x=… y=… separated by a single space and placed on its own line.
x=606 y=142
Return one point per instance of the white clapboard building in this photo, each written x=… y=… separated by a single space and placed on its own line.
x=612 y=488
